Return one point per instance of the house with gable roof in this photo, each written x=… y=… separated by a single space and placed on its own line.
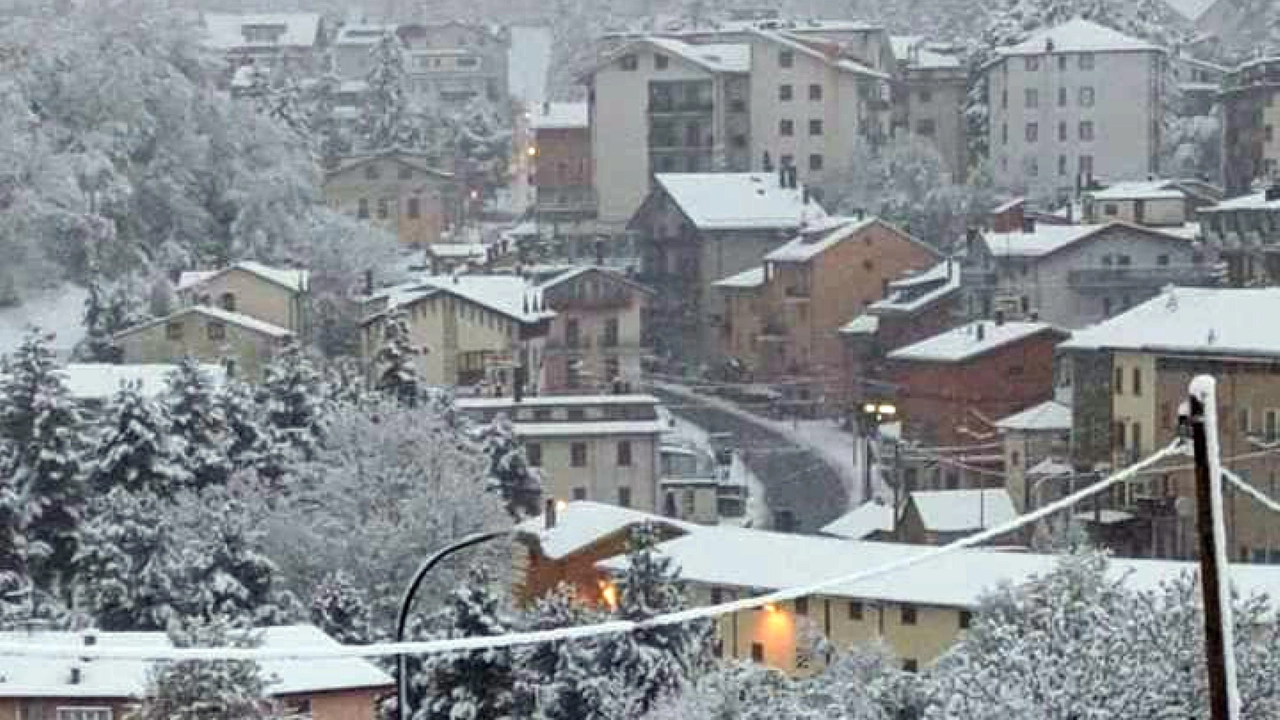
x=401 y=192
x=290 y=43
x=278 y=296
x=243 y=343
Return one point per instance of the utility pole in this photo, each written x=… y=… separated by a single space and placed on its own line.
x=1219 y=646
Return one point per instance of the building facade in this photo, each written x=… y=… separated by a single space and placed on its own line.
x=243 y=343
x=1250 y=148
x=283 y=44
x=278 y=296
x=1072 y=103
x=930 y=91
x=1245 y=233
x=396 y=191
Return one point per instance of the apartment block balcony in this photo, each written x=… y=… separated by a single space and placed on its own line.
x=1108 y=278
x=683 y=107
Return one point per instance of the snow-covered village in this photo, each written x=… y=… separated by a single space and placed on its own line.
x=639 y=360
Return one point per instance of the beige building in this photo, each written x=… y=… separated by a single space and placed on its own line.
x=1152 y=203
x=1035 y=443
x=602 y=448
x=467 y=330
x=1250 y=115
x=277 y=296
x=930 y=90
x=245 y=344
x=70 y=688
x=397 y=191
x=1072 y=103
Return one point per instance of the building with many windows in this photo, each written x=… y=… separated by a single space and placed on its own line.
x=1245 y=233
x=290 y=44
x=930 y=90
x=1250 y=115
x=1072 y=103
x=398 y=191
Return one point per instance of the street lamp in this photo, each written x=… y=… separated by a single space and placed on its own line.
x=873 y=413
x=402 y=662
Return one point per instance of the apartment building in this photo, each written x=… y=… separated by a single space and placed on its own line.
x=930 y=91
x=484 y=331
x=602 y=448
x=597 y=337
x=287 y=43
x=398 y=191
x=1245 y=232
x=1076 y=275
x=831 y=271
x=1250 y=115
x=564 y=205
x=696 y=228
x=1128 y=377
x=452 y=63
x=1071 y=103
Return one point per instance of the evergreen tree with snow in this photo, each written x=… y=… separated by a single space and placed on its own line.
x=197 y=422
x=386 y=121
x=136 y=451
x=98 y=344
x=292 y=394
x=654 y=662
x=207 y=689
x=510 y=474
x=561 y=680
x=126 y=569
x=249 y=441
x=340 y=608
x=397 y=373
x=41 y=427
x=471 y=685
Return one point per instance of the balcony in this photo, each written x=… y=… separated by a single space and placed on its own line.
x=1107 y=278
x=686 y=107
x=797 y=294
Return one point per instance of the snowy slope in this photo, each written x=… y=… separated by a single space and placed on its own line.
x=58 y=311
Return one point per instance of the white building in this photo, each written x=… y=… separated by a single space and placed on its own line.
x=1074 y=102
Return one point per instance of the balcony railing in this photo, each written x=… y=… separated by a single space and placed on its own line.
x=681 y=107
x=1116 y=277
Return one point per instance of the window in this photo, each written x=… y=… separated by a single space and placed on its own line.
x=1062 y=132
x=1137 y=382
x=1245 y=421
x=628 y=62
x=910 y=665
x=1106 y=307
x=1270 y=425
x=660 y=62
x=965 y=619
x=414 y=209
x=624 y=453
x=1119 y=435
x=1033 y=166
x=1032 y=98
x=362 y=210
x=926 y=96
x=1032 y=64
x=533 y=452
x=1062 y=97
x=84 y=713
x=611 y=334
x=815 y=163
x=802 y=606
x=1086 y=165
x=815 y=127
x=173 y=331
x=855 y=610
x=384 y=209
x=1119 y=383
x=1135 y=439
x=1086 y=129
x=1004 y=133
x=467 y=62
x=926 y=127
x=786 y=128
x=815 y=92
x=717 y=596
x=577 y=414
x=784 y=92
x=1062 y=164
x=1162 y=260
x=216 y=330
x=786 y=58
x=578 y=454
x=908 y=614
x=1086 y=61
x=1086 y=97
x=1269 y=133
x=371 y=172
x=579 y=493
x=1004 y=99
x=624 y=497
x=1110 y=209
x=228 y=302
x=1033 y=132
x=757 y=652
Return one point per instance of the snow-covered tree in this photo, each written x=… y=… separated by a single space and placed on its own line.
x=196 y=421
x=471 y=685
x=510 y=474
x=386 y=120
x=292 y=393
x=249 y=442
x=562 y=680
x=340 y=608
x=126 y=569
x=136 y=451
x=107 y=311
x=397 y=372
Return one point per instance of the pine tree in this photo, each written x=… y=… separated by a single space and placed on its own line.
x=654 y=662
x=471 y=685
x=386 y=121
x=248 y=440
x=292 y=391
x=125 y=569
x=137 y=452
x=197 y=422
x=340 y=608
x=561 y=680
x=510 y=473
x=98 y=344
x=41 y=426
x=398 y=375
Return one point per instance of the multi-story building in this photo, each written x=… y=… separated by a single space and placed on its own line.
x=1128 y=377
x=1245 y=233
x=811 y=286
x=696 y=228
x=451 y=63
x=1031 y=437
x=1071 y=103
x=597 y=337
x=1250 y=115
x=1076 y=275
x=930 y=91
x=285 y=43
x=564 y=205
x=279 y=296
x=1153 y=203
x=602 y=448
x=467 y=330
x=397 y=191
x=352 y=50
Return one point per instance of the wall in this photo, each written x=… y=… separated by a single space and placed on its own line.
x=602 y=476
x=601 y=299
x=947 y=91
x=254 y=296
x=252 y=351
x=1167 y=212
x=47 y=708
x=341 y=705
x=344 y=189
x=693 y=501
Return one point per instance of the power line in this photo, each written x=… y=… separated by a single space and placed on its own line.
x=432 y=647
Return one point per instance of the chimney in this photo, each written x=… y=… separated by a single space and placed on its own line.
x=1273 y=192
x=368 y=282
x=549 y=513
x=1035 y=315
x=1028 y=224
x=600 y=253
x=999 y=318
x=75 y=675
x=981 y=332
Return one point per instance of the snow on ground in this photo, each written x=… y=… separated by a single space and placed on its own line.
x=58 y=311
x=530 y=61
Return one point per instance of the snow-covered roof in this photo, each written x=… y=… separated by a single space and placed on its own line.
x=812 y=242
x=509 y=295
x=716 y=57
x=553 y=401
x=803 y=45
x=963 y=343
x=1254 y=201
x=863 y=521
x=225 y=31
x=1140 y=190
x=1078 y=35
x=865 y=324
x=581 y=523
x=45 y=677
x=914 y=50
x=566 y=273
x=588 y=428
x=962 y=510
x=462 y=251
x=560 y=115
x=1043 y=240
x=1008 y=205
x=230 y=318
x=100 y=381
x=290 y=279
x=1104 y=517
x=363 y=34
x=900 y=299
x=1192 y=10
x=1201 y=321
x=1050 y=467
x=728 y=201
x=1047 y=416
x=745 y=280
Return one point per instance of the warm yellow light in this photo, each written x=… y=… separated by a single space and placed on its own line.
x=869 y=408
x=887 y=410
x=561 y=505
x=609 y=593
x=533 y=151
x=771 y=608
